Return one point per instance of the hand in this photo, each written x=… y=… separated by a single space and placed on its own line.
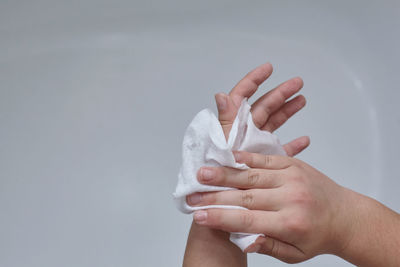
x=300 y=210
x=270 y=111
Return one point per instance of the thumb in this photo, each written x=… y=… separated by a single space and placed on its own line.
x=278 y=249
x=226 y=112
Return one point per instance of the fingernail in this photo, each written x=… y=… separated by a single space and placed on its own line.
x=207 y=174
x=200 y=216
x=254 y=249
x=222 y=101
x=237 y=155
x=194 y=199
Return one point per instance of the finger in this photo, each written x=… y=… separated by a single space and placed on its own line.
x=243 y=179
x=279 y=117
x=296 y=146
x=270 y=102
x=243 y=221
x=249 y=84
x=254 y=199
x=278 y=249
x=226 y=112
x=255 y=160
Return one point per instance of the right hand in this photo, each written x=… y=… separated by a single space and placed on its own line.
x=301 y=211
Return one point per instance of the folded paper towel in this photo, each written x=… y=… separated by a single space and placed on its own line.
x=204 y=144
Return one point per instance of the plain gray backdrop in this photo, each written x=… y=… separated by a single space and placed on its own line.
x=95 y=97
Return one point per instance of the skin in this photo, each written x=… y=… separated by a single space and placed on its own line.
x=211 y=247
x=301 y=211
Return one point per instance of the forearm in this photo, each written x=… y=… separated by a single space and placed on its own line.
x=375 y=237
x=209 y=247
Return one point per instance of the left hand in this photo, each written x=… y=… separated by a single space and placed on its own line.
x=270 y=111
x=212 y=247
x=300 y=210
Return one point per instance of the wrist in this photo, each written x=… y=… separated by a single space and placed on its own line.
x=369 y=234
x=211 y=247
x=346 y=222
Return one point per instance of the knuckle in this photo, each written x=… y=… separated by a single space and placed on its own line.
x=286 y=114
x=280 y=118
x=246 y=157
x=296 y=162
x=251 y=159
x=247 y=219
x=268 y=160
x=226 y=122
x=297 y=177
x=301 y=196
x=272 y=179
x=274 y=251
x=247 y=199
x=298 y=224
x=253 y=177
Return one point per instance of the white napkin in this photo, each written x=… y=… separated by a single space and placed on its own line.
x=204 y=144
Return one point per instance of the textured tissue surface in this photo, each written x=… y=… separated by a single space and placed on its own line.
x=204 y=144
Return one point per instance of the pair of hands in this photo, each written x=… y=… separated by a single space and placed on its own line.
x=296 y=207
